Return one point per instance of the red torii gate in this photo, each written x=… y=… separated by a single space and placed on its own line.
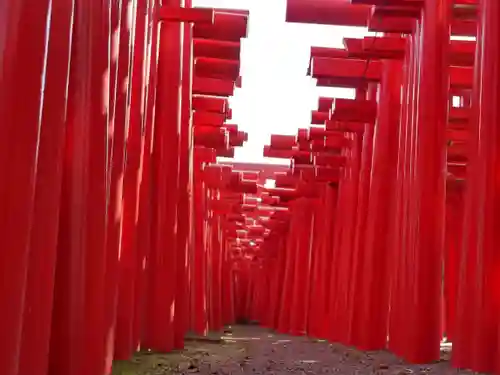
x=121 y=231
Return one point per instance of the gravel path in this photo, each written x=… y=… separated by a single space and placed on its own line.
x=281 y=354
x=253 y=351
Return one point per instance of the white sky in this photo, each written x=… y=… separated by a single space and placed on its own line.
x=277 y=97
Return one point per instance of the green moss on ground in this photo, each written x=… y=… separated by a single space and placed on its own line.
x=198 y=356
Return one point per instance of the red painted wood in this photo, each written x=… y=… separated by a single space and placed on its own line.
x=22 y=37
x=39 y=294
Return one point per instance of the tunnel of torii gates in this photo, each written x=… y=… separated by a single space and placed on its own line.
x=121 y=232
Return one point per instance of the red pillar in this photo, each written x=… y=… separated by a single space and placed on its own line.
x=214 y=274
x=144 y=232
x=304 y=234
x=96 y=23
x=340 y=222
x=429 y=197
x=454 y=240
x=163 y=260
x=37 y=320
x=227 y=286
x=22 y=41
x=199 y=277
x=401 y=226
x=320 y=235
x=77 y=340
x=284 y=322
x=476 y=335
x=128 y=290
x=331 y=208
x=374 y=294
x=185 y=188
x=344 y=254
x=358 y=250
x=278 y=283
x=119 y=133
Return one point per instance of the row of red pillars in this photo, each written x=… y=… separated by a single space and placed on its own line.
x=389 y=237
x=105 y=108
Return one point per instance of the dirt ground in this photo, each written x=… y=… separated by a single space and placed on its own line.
x=253 y=350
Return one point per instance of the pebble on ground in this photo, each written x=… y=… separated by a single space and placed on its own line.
x=254 y=351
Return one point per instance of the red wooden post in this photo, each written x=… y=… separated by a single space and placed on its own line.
x=332 y=193
x=22 y=41
x=374 y=295
x=144 y=232
x=454 y=236
x=166 y=144
x=431 y=180
x=358 y=260
x=77 y=340
x=119 y=125
x=477 y=308
x=37 y=320
x=316 y=291
x=128 y=286
x=215 y=275
x=95 y=20
x=279 y=282
x=198 y=297
x=185 y=186
x=339 y=214
x=227 y=285
x=289 y=274
x=399 y=229
x=298 y=312
x=344 y=250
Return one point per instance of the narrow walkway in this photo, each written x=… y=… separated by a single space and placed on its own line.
x=253 y=350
